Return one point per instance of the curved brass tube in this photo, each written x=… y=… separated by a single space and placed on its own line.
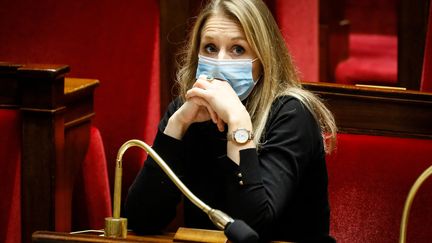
x=409 y=200
x=117 y=227
x=117 y=183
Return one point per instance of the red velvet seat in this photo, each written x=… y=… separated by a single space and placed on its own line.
x=372 y=54
x=369 y=179
x=10 y=154
x=372 y=60
x=92 y=198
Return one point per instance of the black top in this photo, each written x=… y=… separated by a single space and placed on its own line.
x=279 y=190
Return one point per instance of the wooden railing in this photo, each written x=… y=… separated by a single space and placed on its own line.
x=377 y=111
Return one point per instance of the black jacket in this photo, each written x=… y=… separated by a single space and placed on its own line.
x=279 y=190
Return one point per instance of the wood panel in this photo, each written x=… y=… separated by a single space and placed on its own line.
x=377 y=111
x=182 y=235
x=176 y=18
x=56 y=115
x=59 y=237
x=412 y=27
x=9 y=95
x=333 y=37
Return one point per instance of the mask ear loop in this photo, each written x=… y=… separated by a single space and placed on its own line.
x=259 y=78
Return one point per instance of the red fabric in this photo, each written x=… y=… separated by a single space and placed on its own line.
x=298 y=21
x=372 y=44
x=113 y=41
x=10 y=172
x=372 y=16
x=369 y=179
x=372 y=60
x=426 y=83
x=92 y=199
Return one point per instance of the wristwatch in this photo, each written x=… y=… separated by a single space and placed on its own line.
x=241 y=136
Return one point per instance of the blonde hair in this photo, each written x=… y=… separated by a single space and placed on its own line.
x=279 y=75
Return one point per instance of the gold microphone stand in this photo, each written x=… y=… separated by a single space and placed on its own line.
x=116 y=226
x=409 y=200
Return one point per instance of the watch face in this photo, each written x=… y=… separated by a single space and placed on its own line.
x=241 y=136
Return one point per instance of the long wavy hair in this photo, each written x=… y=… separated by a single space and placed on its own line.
x=279 y=76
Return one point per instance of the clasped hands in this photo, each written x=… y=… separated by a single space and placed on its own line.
x=212 y=99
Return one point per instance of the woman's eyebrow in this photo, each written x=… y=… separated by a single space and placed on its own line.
x=238 y=38
x=210 y=36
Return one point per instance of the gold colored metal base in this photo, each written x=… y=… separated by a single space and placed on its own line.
x=116 y=227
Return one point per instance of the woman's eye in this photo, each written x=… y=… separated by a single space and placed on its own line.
x=238 y=50
x=210 y=48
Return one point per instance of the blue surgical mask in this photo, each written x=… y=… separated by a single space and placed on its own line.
x=237 y=72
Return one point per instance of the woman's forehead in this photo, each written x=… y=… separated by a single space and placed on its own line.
x=219 y=24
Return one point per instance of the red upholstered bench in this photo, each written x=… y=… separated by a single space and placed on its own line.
x=92 y=198
x=384 y=144
x=10 y=154
x=372 y=60
x=372 y=55
x=369 y=179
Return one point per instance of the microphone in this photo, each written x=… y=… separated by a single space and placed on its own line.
x=237 y=231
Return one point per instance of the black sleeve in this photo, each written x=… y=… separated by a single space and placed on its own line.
x=263 y=184
x=152 y=198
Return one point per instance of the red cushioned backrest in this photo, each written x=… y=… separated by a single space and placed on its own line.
x=116 y=42
x=372 y=16
x=372 y=44
x=10 y=164
x=298 y=21
x=369 y=179
x=92 y=198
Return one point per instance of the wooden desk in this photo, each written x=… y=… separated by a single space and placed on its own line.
x=182 y=235
x=55 y=117
x=60 y=237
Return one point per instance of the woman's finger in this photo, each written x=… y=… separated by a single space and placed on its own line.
x=220 y=124
x=206 y=105
x=213 y=114
x=197 y=92
x=201 y=83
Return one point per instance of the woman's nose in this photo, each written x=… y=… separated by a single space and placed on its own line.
x=222 y=55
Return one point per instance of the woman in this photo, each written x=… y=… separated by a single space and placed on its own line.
x=243 y=135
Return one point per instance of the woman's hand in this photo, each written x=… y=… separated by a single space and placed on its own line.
x=225 y=103
x=193 y=110
x=222 y=99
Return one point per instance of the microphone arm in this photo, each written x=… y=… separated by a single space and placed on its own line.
x=235 y=230
x=407 y=206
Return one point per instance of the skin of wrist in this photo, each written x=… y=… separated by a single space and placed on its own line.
x=240 y=120
x=176 y=127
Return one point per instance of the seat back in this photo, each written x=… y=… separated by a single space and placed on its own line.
x=10 y=154
x=370 y=177
x=384 y=144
